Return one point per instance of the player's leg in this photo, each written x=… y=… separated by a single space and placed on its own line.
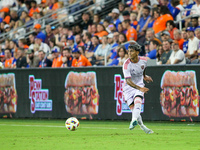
x=136 y=109
x=143 y=127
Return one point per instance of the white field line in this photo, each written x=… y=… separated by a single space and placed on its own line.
x=106 y=128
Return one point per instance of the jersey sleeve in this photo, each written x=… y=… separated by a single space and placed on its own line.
x=126 y=70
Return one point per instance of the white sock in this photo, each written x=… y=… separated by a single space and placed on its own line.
x=140 y=122
x=136 y=111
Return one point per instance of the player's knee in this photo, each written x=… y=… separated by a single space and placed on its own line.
x=138 y=100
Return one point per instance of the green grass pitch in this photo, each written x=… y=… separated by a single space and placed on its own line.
x=97 y=135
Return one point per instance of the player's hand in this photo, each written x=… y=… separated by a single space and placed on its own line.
x=144 y=89
x=148 y=79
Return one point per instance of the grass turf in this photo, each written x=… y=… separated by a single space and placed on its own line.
x=97 y=135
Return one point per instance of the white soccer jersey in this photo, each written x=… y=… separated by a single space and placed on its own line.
x=135 y=72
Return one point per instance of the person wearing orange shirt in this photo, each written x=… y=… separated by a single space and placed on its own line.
x=34 y=8
x=170 y=26
x=55 y=5
x=101 y=31
x=177 y=37
x=160 y=23
x=79 y=60
x=131 y=33
x=57 y=61
x=9 y=62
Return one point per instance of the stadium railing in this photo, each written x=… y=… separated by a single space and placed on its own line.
x=28 y=26
x=187 y=17
x=107 y=6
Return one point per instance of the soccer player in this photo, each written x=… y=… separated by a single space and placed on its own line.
x=133 y=90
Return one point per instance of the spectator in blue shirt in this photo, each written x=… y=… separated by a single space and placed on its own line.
x=115 y=17
x=185 y=37
x=152 y=47
x=143 y=19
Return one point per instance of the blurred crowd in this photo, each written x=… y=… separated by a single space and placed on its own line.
x=160 y=27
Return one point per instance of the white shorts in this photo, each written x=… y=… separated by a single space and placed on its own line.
x=130 y=96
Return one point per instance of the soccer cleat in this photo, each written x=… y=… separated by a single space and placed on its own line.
x=146 y=130
x=133 y=124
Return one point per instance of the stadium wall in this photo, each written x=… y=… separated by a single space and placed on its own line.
x=96 y=93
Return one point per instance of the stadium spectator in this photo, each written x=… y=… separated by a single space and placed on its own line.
x=194 y=22
x=44 y=61
x=193 y=46
x=177 y=37
x=185 y=43
x=82 y=50
x=121 y=8
x=151 y=36
x=106 y=23
x=49 y=34
x=25 y=19
x=133 y=20
x=42 y=46
x=13 y=18
x=170 y=27
x=123 y=39
x=195 y=8
x=57 y=58
x=142 y=20
x=121 y=29
x=22 y=43
x=77 y=30
x=9 y=60
x=165 y=35
x=79 y=60
x=121 y=57
x=131 y=33
x=71 y=44
x=34 y=8
x=21 y=61
x=55 y=30
x=160 y=23
x=78 y=40
x=126 y=15
x=158 y=54
x=37 y=29
x=151 y=20
x=96 y=19
x=90 y=54
x=115 y=17
x=86 y=21
x=112 y=28
x=21 y=7
x=32 y=60
x=93 y=29
x=197 y=33
x=67 y=57
x=177 y=56
x=13 y=48
x=102 y=50
x=113 y=53
x=101 y=31
x=152 y=47
x=167 y=52
x=87 y=42
x=31 y=38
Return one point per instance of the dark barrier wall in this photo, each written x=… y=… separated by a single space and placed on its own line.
x=51 y=84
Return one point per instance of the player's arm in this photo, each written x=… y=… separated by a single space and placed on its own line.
x=146 y=77
x=130 y=83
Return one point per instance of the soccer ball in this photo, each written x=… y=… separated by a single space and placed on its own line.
x=72 y=123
